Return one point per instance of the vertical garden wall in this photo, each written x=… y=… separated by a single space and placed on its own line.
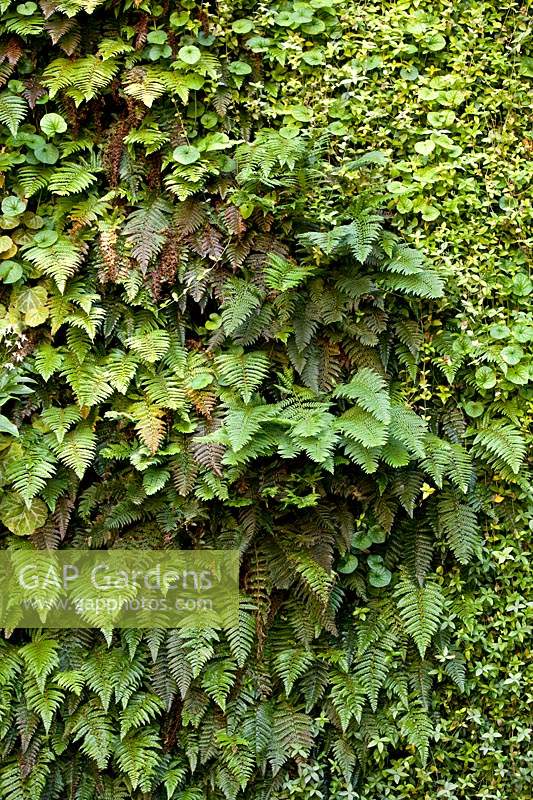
x=265 y=287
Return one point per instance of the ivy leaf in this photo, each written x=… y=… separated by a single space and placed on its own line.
x=20 y=518
x=242 y=25
x=512 y=354
x=32 y=302
x=45 y=238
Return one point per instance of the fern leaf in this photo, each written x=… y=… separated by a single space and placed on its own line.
x=408 y=428
x=59 y=420
x=61 y=260
x=241 y=299
x=13 y=109
x=243 y=371
x=291 y=664
x=419 y=729
x=41 y=659
x=361 y=425
x=457 y=521
x=369 y=389
x=501 y=444
x=420 y=608
x=70 y=178
x=282 y=275
x=76 y=449
x=149 y=424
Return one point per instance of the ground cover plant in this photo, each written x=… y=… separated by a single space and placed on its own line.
x=265 y=287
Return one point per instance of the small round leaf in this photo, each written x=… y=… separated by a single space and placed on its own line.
x=45 y=238
x=499 y=331
x=190 y=54
x=52 y=124
x=26 y=9
x=474 y=409
x=242 y=25
x=348 y=564
x=240 y=68
x=485 y=377
x=46 y=153
x=157 y=37
x=512 y=354
x=10 y=271
x=12 y=206
x=186 y=154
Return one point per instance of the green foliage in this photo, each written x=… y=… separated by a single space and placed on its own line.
x=229 y=323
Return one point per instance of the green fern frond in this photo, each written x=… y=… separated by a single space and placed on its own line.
x=282 y=275
x=76 y=449
x=13 y=109
x=408 y=428
x=457 y=520
x=240 y=301
x=420 y=609
x=501 y=444
x=61 y=260
x=243 y=371
x=369 y=389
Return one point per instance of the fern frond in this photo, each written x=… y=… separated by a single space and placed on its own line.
x=76 y=449
x=502 y=444
x=369 y=389
x=282 y=275
x=243 y=371
x=458 y=522
x=13 y=109
x=240 y=301
x=420 y=608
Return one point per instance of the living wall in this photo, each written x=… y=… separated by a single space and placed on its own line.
x=265 y=288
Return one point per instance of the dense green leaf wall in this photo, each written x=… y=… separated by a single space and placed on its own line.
x=265 y=286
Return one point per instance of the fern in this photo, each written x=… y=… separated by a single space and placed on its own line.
x=76 y=448
x=363 y=427
x=30 y=472
x=149 y=423
x=290 y=665
x=150 y=346
x=241 y=299
x=87 y=380
x=59 y=420
x=13 y=109
x=420 y=608
x=408 y=429
x=356 y=238
x=91 y=724
x=61 y=260
x=368 y=388
x=41 y=659
x=419 y=729
x=81 y=78
x=71 y=178
x=457 y=521
x=140 y=710
x=218 y=680
x=501 y=444
x=145 y=230
x=243 y=371
x=282 y=275
x=48 y=360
